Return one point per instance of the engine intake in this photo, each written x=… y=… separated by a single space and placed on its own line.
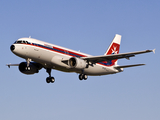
x=31 y=69
x=77 y=63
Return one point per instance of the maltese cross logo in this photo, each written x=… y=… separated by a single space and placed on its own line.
x=114 y=50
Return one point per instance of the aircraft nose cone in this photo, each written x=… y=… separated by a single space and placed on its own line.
x=12 y=47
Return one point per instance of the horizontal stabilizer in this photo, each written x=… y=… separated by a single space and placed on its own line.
x=12 y=65
x=126 y=66
x=154 y=51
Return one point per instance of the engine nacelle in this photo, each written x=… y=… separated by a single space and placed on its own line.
x=31 y=69
x=77 y=63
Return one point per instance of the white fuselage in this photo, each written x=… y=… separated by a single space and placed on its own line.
x=53 y=56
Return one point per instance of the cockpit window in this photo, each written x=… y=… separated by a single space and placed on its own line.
x=21 y=41
x=24 y=42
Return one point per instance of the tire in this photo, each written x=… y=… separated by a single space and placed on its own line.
x=48 y=80
x=28 y=68
x=81 y=77
x=52 y=80
x=85 y=77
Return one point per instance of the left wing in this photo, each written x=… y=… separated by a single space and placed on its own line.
x=96 y=59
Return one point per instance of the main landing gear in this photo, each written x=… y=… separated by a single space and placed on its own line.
x=49 y=79
x=83 y=77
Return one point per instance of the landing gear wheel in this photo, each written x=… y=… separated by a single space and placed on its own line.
x=28 y=68
x=83 y=76
x=50 y=80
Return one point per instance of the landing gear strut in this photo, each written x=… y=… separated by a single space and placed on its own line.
x=83 y=76
x=28 y=62
x=49 y=79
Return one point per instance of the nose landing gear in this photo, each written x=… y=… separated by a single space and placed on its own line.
x=28 y=62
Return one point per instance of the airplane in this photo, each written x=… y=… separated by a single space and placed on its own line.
x=39 y=54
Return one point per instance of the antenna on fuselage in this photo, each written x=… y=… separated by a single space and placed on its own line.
x=29 y=36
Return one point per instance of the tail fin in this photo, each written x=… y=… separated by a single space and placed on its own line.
x=114 y=49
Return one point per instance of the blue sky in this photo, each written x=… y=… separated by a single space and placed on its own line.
x=89 y=26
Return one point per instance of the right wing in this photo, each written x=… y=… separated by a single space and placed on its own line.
x=96 y=59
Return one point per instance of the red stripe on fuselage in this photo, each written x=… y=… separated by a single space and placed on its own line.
x=65 y=52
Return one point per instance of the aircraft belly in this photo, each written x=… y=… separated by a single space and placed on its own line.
x=99 y=70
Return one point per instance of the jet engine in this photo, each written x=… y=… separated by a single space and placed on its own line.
x=31 y=69
x=77 y=63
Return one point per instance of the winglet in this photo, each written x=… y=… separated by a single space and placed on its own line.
x=154 y=50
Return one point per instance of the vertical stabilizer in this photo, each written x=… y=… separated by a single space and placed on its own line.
x=114 y=48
